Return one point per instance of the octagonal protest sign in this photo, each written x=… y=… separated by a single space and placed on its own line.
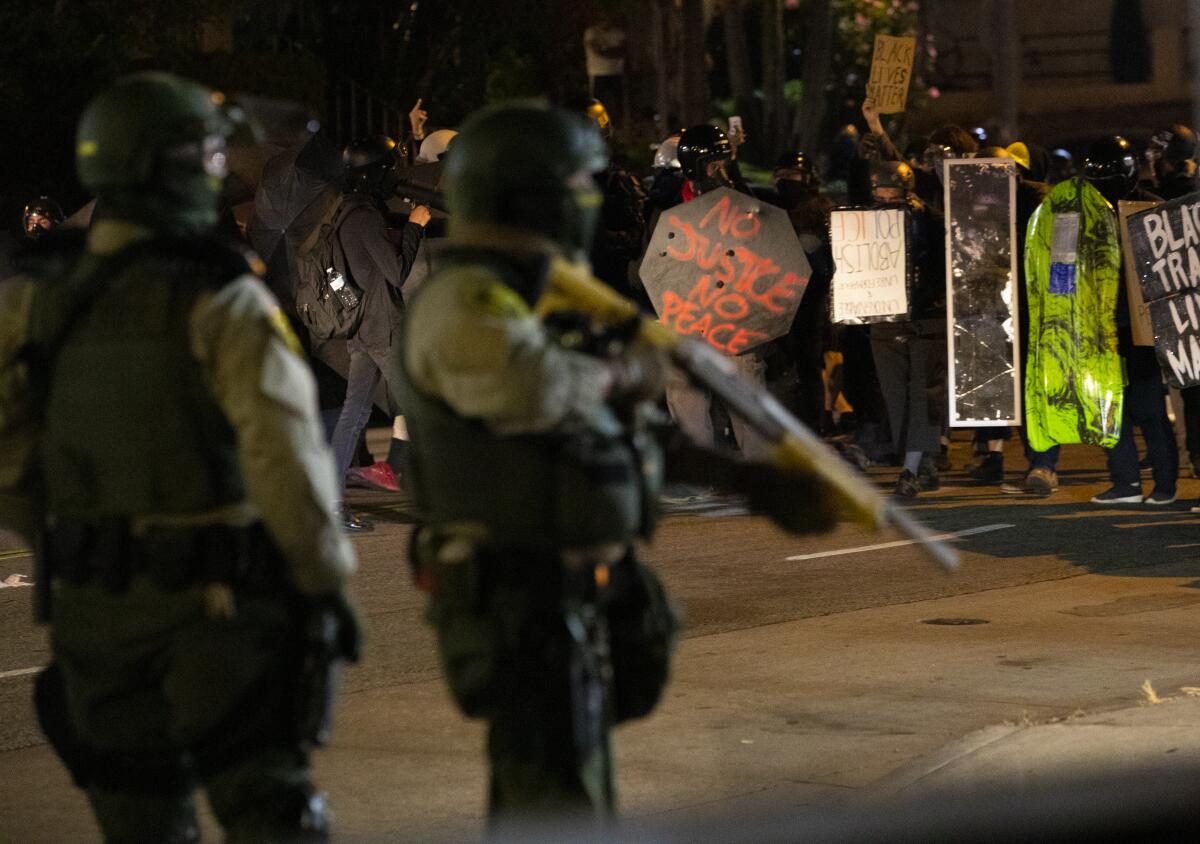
x=726 y=268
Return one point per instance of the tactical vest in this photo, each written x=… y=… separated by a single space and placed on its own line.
x=129 y=427
x=551 y=490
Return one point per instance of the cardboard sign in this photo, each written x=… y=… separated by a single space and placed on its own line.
x=891 y=72
x=1139 y=311
x=726 y=268
x=871 y=276
x=981 y=292
x=1165 y=246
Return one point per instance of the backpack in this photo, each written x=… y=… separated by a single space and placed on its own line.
x=327 y=300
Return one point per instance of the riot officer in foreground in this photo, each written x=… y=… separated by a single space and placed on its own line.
x=179 y=494
x=535 y=468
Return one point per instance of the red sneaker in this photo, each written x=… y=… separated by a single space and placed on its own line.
x=376 y=476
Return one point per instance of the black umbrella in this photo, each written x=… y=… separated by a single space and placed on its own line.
x=298 y=189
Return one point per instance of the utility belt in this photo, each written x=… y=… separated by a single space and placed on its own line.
x=481 y=592
x=436 y=551
x=107 y=552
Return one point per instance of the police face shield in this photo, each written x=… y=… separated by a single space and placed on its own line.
x=715 y=175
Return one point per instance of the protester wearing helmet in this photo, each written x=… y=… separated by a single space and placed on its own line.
x=1111 y=166
x=621 y=229
x=534 y=473
x=40 y=216
x=798 y=186
x=665 y=184
x=1172 y=157
x=186 y=511
x=706 y=158
x=910 y=355
x=378 y=268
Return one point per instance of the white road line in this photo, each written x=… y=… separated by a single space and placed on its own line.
x=20 y=672
x=1175 y=523
x=898 y=544
x=14 y=581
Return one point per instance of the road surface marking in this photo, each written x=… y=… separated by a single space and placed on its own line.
x=20 y=672
x=1128 y=525
x=12 y=555
x=1109 y=513
x=14 y=581
x=898 y=544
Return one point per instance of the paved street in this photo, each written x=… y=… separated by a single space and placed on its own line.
x=808 y=675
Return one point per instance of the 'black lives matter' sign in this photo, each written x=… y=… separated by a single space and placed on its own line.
x=1166 y=254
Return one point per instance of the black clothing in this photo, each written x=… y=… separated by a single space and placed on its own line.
x=379 y=270
x=807 y=339
x=622 y=228
x=1176 y=185
x=927 y=248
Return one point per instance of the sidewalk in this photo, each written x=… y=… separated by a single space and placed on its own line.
x=1024 y=757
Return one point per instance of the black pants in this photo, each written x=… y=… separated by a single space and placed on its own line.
x=910 y=360
x=1191 y=419
x=1146 y=408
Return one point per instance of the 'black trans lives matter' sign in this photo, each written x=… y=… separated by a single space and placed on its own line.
x=1166 y=252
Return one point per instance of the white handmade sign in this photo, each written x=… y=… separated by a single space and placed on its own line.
x=870 y=281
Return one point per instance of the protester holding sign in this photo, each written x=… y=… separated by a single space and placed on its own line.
x=1111 y=167
x=910 y=354
x=733 y=292
x=1171 y=154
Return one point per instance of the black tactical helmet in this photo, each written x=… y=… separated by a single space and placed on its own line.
x=798 y=166
x=526 y=165
x=892 y=174
x=370 y=165
x=1111 y=165
x=700 y=145
x=1176 y=143
x=152 y=148
x=40 y=216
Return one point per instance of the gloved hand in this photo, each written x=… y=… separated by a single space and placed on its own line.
x=639 y=373
x=799 y=502
x=349 y=628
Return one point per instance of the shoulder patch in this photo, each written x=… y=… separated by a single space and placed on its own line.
x=283 y=329
x=491 y=297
